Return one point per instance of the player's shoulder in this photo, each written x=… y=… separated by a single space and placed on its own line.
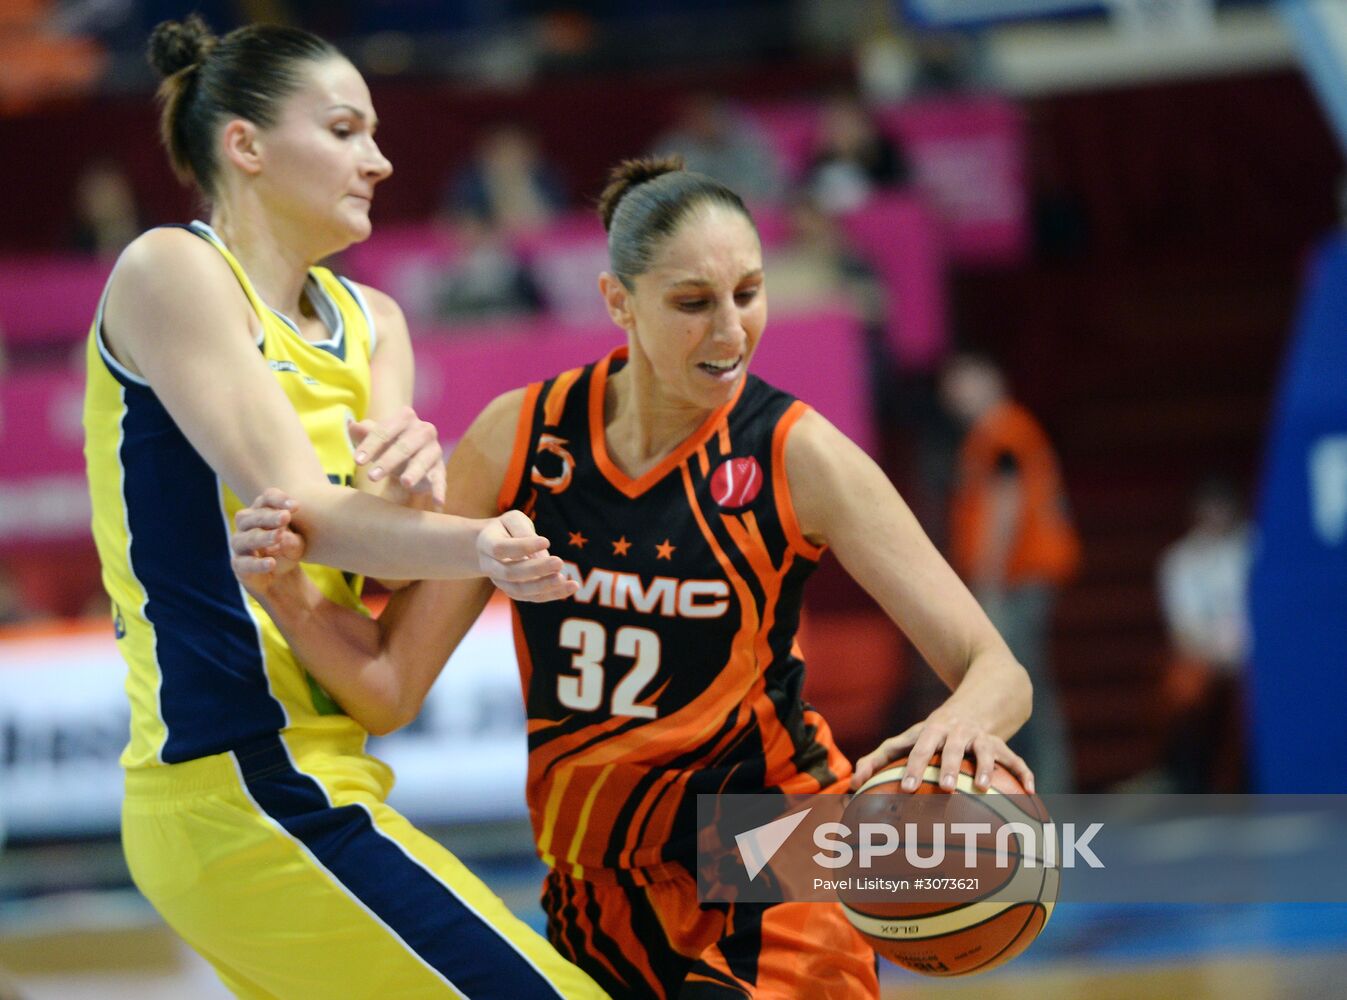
x=506 y=407
x=171 y=268
x=172 y=253
x=819 y=458
x=810 y=437
x=495 y=426
x=561 y=401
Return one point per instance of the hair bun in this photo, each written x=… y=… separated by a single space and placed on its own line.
x=176 y=45
x=627 y=175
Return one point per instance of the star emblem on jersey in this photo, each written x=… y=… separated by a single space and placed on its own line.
x=577 y=539
x=736 y=482
x=665 y=550
x=620 y=546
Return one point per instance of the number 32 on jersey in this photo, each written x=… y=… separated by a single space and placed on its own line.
x=583 y=691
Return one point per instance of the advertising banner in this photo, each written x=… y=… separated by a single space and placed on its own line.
x=64 y=719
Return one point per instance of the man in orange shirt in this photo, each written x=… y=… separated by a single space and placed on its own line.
x=1012 y=540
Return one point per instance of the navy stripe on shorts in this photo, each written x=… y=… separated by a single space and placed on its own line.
x=421 y=910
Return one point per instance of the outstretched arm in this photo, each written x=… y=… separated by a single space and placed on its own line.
x=379 y=671
x=844 y=500
x=176 y=317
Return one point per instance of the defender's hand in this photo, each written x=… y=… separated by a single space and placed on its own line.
x=265 y=550
x=404 y=447
x=515 y=557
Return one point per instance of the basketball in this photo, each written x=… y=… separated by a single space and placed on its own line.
x=956 y=908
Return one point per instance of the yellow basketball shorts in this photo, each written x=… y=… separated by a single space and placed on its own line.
x=288 y=872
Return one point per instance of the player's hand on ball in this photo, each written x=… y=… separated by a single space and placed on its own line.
x=263 y=549
x=403 y=448
x=952 y=739
x=515 y=558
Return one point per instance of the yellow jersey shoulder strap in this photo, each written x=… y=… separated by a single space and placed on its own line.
x=357 y=319
x=210 y=236
x=360 y=330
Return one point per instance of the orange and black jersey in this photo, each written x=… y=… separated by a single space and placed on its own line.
x=674 y=670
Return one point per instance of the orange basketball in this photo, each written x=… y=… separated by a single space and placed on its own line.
x=958 y=928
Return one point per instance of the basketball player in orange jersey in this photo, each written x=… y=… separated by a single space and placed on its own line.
x=690 y=501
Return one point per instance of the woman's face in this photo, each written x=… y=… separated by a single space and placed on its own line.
x=319 y=161
x=698 y=313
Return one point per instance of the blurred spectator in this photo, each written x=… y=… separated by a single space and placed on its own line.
x=106 y=219
x=947 y=62
x=853 y=158
x=13 y=610
x=488 y=281
x=1013 y=542
x=508 y=183
x=714 y=139
x=886 y=65
x=818 y=265
x=1203 y=580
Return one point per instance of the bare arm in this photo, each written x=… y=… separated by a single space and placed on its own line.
x=842 y=499
x=398 y=455
x=176 y=316
x=380 y=671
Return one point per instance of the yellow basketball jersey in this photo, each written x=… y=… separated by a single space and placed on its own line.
x=208 y=669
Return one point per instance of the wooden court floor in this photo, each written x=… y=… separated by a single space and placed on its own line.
x=148 y=963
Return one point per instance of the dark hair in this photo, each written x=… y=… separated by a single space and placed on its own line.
x=245 y=74
x=644 y=202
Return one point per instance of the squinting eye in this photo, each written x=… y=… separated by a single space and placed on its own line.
x=747 y=295
x=692 y=305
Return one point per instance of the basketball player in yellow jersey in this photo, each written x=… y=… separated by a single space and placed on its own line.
x=694 y=500
x=221 y=360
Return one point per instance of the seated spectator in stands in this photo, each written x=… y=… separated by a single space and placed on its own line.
x=818 y=265
x=853 y=158
x=488 y=281
x=106 y=219
x=508 y=183
x=715 y=139
x=1203 y=579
